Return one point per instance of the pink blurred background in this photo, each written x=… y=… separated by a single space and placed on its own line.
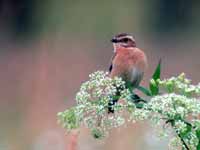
x=48 y=48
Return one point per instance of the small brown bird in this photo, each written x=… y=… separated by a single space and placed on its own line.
x=128 y=62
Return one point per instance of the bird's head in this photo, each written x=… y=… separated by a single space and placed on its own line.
x=123 y=40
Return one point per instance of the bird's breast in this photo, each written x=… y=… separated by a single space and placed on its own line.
x=131 y=57
x=130 y=65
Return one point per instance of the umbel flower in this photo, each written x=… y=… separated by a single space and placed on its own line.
x=175 y=107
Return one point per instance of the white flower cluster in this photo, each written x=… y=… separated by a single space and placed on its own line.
x=99 y=87
x=180 y=85
x=175 y=143
x=180 y=126
x=173 y=105
x=179 y=107
x=176 y=109
x=92 y=104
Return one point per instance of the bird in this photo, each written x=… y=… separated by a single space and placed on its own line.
x=128 y=62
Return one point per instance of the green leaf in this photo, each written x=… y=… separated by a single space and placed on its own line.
x=144 y=90
x=156 y=74
x=153 y=85
x=198 y=136
x=129 y=85
x=198 y=133
x=198 y=146
x=139 y=105
x=186 y=132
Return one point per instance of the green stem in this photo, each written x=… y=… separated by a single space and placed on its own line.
x=182 y=140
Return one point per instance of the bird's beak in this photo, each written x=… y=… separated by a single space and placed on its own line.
x=114 y=40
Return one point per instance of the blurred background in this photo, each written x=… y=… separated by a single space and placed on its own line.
x=48 y=48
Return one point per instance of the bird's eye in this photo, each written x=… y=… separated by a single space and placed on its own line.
x=125 y=40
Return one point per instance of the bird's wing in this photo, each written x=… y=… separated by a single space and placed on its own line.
x=111 y=65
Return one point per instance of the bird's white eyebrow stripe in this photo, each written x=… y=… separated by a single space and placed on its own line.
x=128 y=36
